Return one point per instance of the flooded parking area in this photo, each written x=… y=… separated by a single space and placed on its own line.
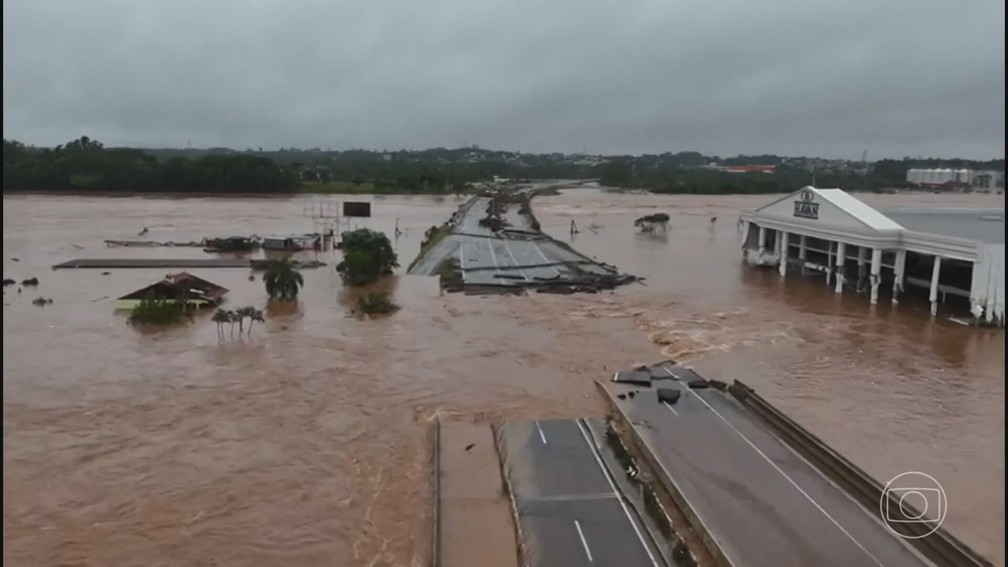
x=309 y=443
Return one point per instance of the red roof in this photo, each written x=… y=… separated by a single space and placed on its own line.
x=750 y=168
x=172 y=286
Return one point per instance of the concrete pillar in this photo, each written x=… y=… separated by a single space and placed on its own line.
x=876 y=273
x=862 y=266
x=829 y=262
x=933 y=297
x=841 y=255
x=762 y=241
x=899 y=270
x=784 y=237
x=802 y=247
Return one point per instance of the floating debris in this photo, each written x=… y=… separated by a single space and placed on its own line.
x=30 y=282
x=40 y=301
x=653 y=222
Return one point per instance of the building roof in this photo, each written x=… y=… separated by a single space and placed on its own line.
x=984 y=225
x=857 y=209
x=846 y=204
x=173 y=285
x=946 y=232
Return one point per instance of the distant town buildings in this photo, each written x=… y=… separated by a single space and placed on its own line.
x=954 y=178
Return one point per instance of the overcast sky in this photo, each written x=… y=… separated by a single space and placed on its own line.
x=826 y=78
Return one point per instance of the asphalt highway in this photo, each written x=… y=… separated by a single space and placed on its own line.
x=760 y=501
x=569 y=509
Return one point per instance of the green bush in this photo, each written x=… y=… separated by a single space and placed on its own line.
x=161 y=311
x=376 y=303
x=367 y=256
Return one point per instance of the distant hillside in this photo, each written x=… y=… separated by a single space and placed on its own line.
x=85 y=164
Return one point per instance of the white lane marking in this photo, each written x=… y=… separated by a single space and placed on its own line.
x=492 y=255
x=543 y=256
x=583 y=541
x=541 y=434
x=510 y=253
x=572 y=497
x=536 y=246
x=671 y=409
x=779 y=470
x=612 y=485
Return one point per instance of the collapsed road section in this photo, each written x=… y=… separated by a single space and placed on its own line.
x=493 y=242
x=759 y=488
x=686 y=471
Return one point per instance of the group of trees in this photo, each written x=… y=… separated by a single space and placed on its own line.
x=367 y=257
x=86 y=165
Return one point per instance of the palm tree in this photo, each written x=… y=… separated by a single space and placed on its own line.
x=282 y=279
x=220 y=317
x=255 y=315
x=241 y=314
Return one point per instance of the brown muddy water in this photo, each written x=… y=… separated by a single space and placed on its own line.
x=309 y=443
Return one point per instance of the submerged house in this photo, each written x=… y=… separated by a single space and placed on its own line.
x=174 y=287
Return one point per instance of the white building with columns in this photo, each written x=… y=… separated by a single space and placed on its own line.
x=953 y=257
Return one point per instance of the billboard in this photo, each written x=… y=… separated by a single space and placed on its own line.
x=357 y=209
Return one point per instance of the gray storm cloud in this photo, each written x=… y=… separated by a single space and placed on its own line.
x=904 y=77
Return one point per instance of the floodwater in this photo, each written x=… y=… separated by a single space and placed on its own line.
x=309 y=442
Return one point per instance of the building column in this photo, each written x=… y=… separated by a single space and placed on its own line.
x=876 y=273
x=899 y=268
x=802 y=251
x=784 y=237
x=829 y=261
x=762 y=243
x=841 y=256
x=862 y=266
x=933 y=297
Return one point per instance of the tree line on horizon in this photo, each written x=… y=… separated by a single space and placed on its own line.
x=86 y=165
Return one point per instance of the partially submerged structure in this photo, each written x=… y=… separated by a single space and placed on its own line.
x=232 y=244
x=954 y=254
x=292 y=243
x=182 y=286
x=493 y=244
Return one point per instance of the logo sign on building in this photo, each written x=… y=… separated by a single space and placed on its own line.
x=356 y=209
x=805 y=207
